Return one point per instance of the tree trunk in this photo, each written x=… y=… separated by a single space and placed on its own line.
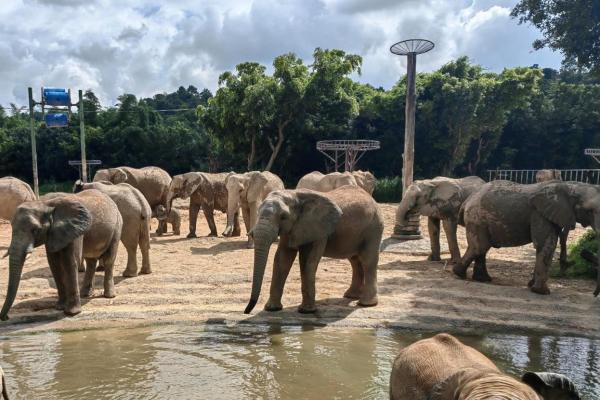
x=252 y=154
x=278 y=145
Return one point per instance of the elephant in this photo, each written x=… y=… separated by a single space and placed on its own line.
x=136 y=214
x=443 y=368
x=85 y=224
x=439 y=198
x=325 y=183
x=172 y=217
x=3 y=388
x=153 y=182
x=365 y=180
x=508 y=214
x=248 y=191
x=544 y=175
x=593 y=259
x=13 y=192
x=343 y=223
x=207 y=192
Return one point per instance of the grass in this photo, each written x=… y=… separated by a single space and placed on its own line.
x=388 y=190
x=50 y=187
x=580 y=268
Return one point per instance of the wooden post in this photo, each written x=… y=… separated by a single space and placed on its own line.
x=82 y=138
x=36 y=187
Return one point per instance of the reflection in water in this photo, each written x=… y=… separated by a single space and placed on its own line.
x=247 y=362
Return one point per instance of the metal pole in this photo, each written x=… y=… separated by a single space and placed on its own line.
x=409 y=127
x=36 y=187
x=82 y=138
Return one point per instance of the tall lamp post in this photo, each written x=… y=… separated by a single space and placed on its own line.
x=409 y=48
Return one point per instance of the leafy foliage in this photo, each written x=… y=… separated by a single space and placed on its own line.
x=581 y=268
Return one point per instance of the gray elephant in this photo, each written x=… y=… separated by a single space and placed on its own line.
x=69 y=225
x=3 y=388
x=343 y=223
x=153 y=182
x=325 y=183
x=136 y=214
x=545 y=175
x=207 y=192
x=247 y=191
x=443 y=368
x=507 y=214
x=439 y=199
x=365 y=180
x=170 y=217
x=13 y=192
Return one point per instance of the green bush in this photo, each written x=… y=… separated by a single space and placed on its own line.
x=50 y=187
x=579 y=267
x=388 y=190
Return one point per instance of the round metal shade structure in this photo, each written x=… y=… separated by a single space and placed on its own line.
x=412 y=46
x=353 y=151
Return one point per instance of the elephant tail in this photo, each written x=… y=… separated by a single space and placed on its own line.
x=145 y=230
x=461 y=215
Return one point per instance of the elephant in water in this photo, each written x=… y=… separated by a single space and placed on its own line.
x=507 y=214
x=153 y=182
x=443 y=368
x=70 y=225
x=439 y=199
x=13 y=192
x=136 y=214
x=343 y=223
x=248 y=191
x=207 y=192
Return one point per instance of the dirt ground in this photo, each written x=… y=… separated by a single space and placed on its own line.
x=207 y=280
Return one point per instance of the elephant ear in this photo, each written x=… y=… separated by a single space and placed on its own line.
x=117 y=175
x=316 y=218
x=191 y=184
x=255 y=186
x=553 y=203
x=446 y=195
x=551 y=385
x=70 y=219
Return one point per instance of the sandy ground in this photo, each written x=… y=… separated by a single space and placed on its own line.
x=207 y=280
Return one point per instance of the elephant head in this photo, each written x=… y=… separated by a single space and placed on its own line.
x=428 y=197
x=55 y=222
x=182 y=186
x=117 y=175
x=365 y=180
x=302 y=216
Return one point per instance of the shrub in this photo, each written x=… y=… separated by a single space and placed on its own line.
x=50 y=187
x=388 y=190
x=579 y=267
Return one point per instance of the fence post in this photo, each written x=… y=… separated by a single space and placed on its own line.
x=36 y=187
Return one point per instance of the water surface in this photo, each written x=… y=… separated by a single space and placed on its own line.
x=248 y=362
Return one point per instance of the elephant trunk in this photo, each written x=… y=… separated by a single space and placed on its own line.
x=15 y=268
x=402 y=212
x=233 y=206
x=264 y=235
x=169 y=202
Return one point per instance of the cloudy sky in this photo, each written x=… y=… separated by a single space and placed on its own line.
x=149 y=46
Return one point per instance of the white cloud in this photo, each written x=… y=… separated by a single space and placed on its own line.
x=149 y=46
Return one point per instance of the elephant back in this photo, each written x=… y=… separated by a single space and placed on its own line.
x=153 y=182
x=13 y=192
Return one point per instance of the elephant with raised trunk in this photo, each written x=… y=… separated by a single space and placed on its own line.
x=443 y=368
x=136 y=214
x=439 y=199
x=207 y=192
x=13 y=192
x=343 y=223
x=69 y=225
x=508 y=214
x=247 y=191
x=153 y=182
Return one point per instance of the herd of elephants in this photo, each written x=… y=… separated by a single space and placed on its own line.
x=331 y=215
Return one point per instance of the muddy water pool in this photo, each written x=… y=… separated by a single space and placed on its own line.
x=249 y=362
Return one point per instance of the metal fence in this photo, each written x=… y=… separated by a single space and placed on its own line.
x=528 y=175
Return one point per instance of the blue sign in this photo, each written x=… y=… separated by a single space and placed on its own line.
x=56 y=97
x=56 y=120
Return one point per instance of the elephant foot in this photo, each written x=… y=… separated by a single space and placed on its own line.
x=145 y=271
x=454 y=261
x=109 y=294
x=541 y=289
x=273 y=306
x=72 y=310
x=460 y=271
x=307 y=309
x=60 y=305
x=129 y=274
x=191 y=235
x=481 y=276
x=353 y=294
x=434 y=257
x=370 y=302
x=86 y=292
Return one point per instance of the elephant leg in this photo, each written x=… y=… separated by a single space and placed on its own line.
x=70 y=264
x=87 y=287
x=460 y=269
x=358 y=278
x=246 y=216
x=564 y=263
x=237 y=231
x=210 y=219
x=450 y=227
x=310 y=255
x=253 y=217
x=369 y=259
x=193 y=214
x=145 y=248
x=79 y=254
x=284 y=258
x=162 y=227
x=109 y=261
x=54 y=263
x=131 y=269
x=480 y=272
x=543 y=258
x=433 y=226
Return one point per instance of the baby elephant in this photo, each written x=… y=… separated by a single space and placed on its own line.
x=343 y=223
x=172 y=218
x=443 y=368
x=70 y=225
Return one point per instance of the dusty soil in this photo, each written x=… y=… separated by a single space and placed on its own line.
x=207 y=280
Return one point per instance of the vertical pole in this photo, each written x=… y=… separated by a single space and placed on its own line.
x=36 y=187
x=82 y=138
x=409 y=126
